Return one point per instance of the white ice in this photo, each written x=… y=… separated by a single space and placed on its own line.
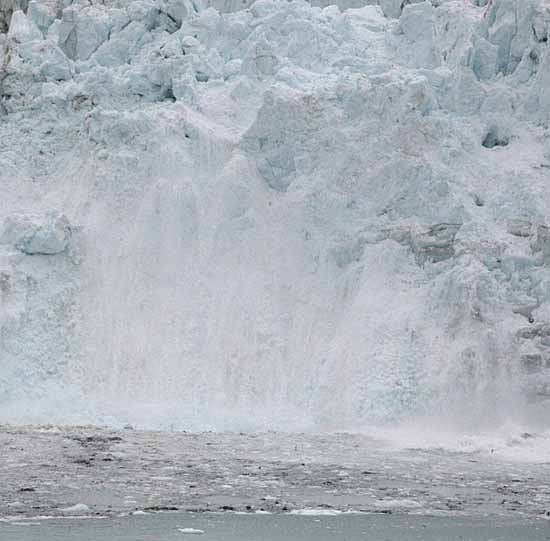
x=286 y=216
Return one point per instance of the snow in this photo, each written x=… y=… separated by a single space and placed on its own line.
x=276 y=217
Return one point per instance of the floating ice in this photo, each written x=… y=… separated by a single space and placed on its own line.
x=190 y=531
x=389 y=503
x=316 y=512
x=77 y=509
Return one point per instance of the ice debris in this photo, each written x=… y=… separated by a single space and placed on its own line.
x=34 y=234
x=77 y=509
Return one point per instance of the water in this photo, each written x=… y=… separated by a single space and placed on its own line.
x=231 y=527
x=309 y=485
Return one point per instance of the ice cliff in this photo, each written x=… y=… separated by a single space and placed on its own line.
x=224 y=214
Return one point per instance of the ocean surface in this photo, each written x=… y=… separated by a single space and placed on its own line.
x=233 y=527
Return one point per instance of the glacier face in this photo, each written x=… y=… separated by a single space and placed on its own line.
x=276 y=215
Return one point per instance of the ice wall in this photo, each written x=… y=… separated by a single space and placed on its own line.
x=277 y=215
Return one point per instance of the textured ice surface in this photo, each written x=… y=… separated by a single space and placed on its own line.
x=274 y=215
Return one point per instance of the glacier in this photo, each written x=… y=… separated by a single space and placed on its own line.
x=276 y=215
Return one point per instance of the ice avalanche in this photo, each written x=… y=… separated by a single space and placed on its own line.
x=218 y=214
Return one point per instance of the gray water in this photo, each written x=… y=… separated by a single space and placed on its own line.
x=231 y=527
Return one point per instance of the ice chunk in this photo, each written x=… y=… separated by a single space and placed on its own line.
x=41 y=14
x=55 y=65
x=77 y=509
x=316 y=512
x=538 y=103
x=145 y=12
x=418 y=25
x=519 y=227
x=92 y=29
x=34 y=234
x=436 y=244
x=23 y=29
x=175 y=11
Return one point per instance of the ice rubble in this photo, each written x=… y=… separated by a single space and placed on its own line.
x=32 y=235
x=273 y=215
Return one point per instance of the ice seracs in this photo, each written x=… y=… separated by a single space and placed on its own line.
x=23 y=29
x=320 y=215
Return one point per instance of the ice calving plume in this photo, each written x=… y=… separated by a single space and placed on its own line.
x=274 y=215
